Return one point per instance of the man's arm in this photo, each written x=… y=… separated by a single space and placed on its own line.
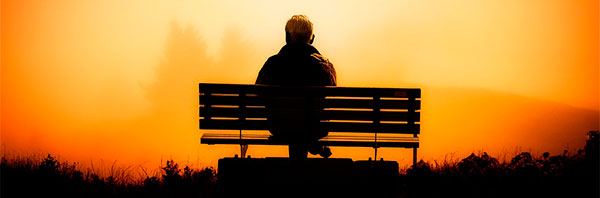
x=326 y=67
x=332 y=74
x=264 y=72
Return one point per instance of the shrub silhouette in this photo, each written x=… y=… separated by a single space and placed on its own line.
x=592 y=147
x=49 y=165
x=524 y=164
x=475 y=165
x=171 y=174
x=422 y=168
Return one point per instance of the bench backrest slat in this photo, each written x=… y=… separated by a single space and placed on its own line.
x=358 y=103
x=343 y=109
x=313 y=91
x=228 y=112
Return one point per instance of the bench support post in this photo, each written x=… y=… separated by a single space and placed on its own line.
x=242 y=119
x=243 y=150
x=414 y=156
x=411 y=123
x=376 y=120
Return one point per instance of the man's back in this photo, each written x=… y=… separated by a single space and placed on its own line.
x=296 y=64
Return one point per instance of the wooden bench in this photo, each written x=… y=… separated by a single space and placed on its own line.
x=354 y=117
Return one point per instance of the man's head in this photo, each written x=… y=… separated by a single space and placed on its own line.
x=299 y=30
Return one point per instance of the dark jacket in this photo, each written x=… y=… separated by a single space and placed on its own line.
x=296 y=65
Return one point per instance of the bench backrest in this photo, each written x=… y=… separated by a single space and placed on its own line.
x=342 y=109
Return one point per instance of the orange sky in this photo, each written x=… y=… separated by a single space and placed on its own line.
x=117 y=80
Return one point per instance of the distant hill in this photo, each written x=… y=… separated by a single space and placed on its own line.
x=465 y=120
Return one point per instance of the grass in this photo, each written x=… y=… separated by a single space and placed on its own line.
x=477 y=175
x=47 y=177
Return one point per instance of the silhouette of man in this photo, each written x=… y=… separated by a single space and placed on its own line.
x=298 y=63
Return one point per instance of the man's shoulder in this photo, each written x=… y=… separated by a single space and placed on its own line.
x=319 y=57
x=275 y=58
x=322 y=61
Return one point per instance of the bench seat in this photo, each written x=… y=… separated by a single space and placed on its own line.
x=331 y=140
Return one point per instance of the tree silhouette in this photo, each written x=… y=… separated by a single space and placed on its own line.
x=236 y=56
x=174 y=91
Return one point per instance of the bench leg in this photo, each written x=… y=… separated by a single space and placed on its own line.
x=375 y=154
x=243 y=150
x=414 y=156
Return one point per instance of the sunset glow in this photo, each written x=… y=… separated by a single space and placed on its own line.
x=117 y=80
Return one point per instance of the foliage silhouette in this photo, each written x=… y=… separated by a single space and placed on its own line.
x=178 y=72
x=477 y=175
x=47 y=177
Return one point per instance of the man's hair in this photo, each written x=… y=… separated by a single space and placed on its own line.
x=299 y=29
